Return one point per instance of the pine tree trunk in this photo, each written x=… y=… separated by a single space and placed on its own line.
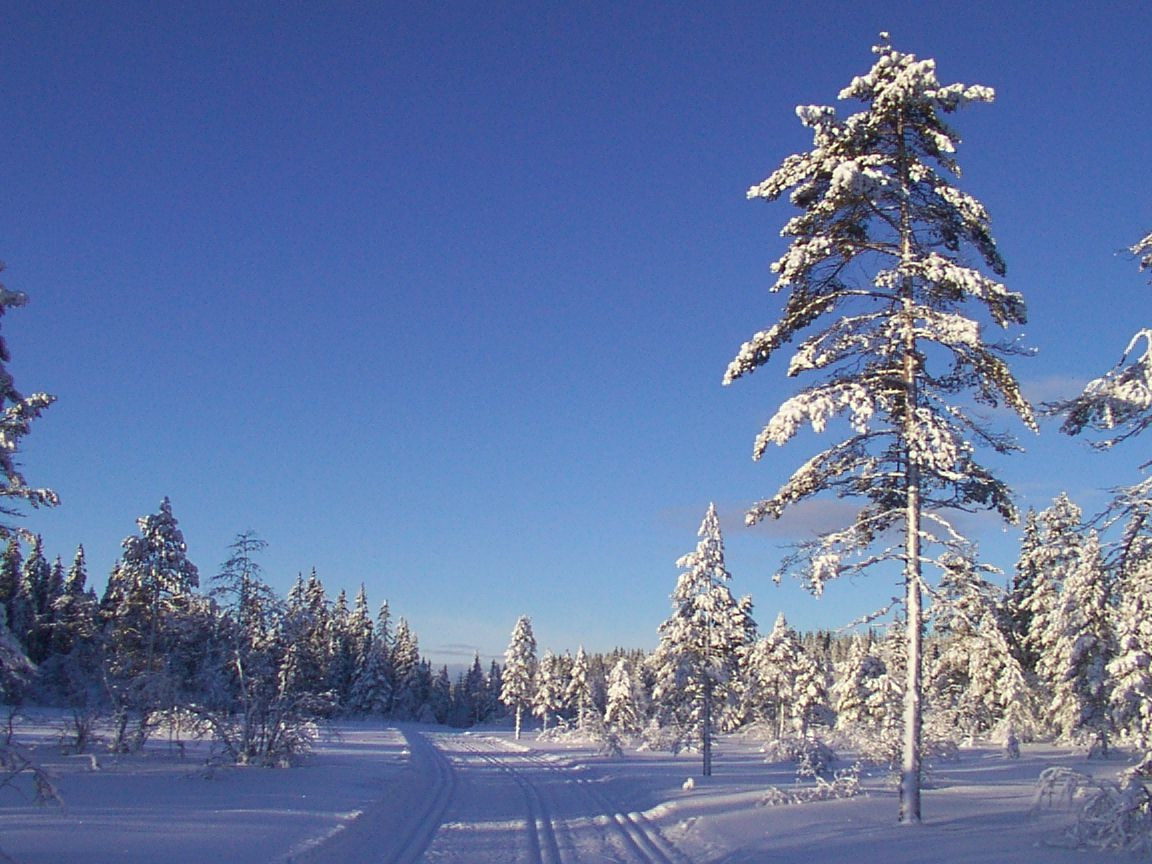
x=707 y=748
x=913 y=600
x=910 y=771
x=519 y=709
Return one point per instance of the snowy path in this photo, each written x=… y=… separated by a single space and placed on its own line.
x=472 y=798
x=565 y=815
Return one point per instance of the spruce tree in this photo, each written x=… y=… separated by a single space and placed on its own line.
x=405 y=663
x=857 y=693
x=976 y=682
x=696 y=661
x=1024 y=579
x=518 y=685
x=1082 y=648
x=246 y=597
x=1130 y=670
x=785 y=685
x=548 y=698
x=578 y=690
x=11 y=563
x=623 y=709
x=1054 y=561
x=148 y=591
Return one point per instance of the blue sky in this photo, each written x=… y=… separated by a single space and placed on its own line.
x=438 y=296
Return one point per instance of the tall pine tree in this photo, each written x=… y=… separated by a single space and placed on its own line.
x=879 y=287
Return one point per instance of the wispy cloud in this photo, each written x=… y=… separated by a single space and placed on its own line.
x=456 y=649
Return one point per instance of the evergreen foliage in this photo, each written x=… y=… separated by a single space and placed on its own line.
x=16 y=415
x=1081 y=650
x=519 y=674
x=878 y=284
x=696 y=663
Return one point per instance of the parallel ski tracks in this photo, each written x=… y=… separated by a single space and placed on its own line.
x=542 y=845
x=639 y=838
x=431 y=814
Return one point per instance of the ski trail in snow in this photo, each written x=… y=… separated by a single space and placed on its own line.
x=639 y=838
x=442 y=779
x=543 y=848
x=382 y=833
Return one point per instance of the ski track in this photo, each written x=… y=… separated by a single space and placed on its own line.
x=558 y=800
x=431 y=817
x=639 y=838
x=542 y=845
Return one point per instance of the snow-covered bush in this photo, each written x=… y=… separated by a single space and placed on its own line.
x=844 y=784
x=270 y=733
x=813 y=757
x=664 y=738
x=1110 y=814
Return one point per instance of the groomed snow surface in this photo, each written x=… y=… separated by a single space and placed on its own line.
x=405 y=794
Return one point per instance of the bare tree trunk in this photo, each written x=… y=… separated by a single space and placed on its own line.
x=707 y=748
x=910 y=770
x=913 y=598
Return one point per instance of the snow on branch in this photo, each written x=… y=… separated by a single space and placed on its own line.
x=1121 y=399
x=1143 y=250
x=816 y=406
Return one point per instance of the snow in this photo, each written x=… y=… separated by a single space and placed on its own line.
x=413 y=793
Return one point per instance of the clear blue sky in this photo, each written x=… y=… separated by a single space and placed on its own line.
x=438 y=296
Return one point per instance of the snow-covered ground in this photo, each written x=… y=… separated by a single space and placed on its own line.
x=408 y=794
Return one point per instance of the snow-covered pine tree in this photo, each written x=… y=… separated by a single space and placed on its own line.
x=1130 y=670
x=578 y=691
x=494 y=685
x=473 y=695
x=359 y=633
x=11 y=563
x=75 y=608
x=976 y=683
x=773 y=669
x=36 y=576
x=855 y=690
x=1082 y=649
x=440 y=699
x=341 y=651
x=1143 y=251
x=72 y=673
x=375 y=681
x=1052 y=563
x=548 y=698
x=1119 y=405
x=785 y=684
x=20 y=603
x=696 y=661
x=878 y=257
x=148 y=591
x=371 y=692
x=1017 y=618
x=519 y=676
x=405 y=662
x=623 y=710
x=16 y=415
